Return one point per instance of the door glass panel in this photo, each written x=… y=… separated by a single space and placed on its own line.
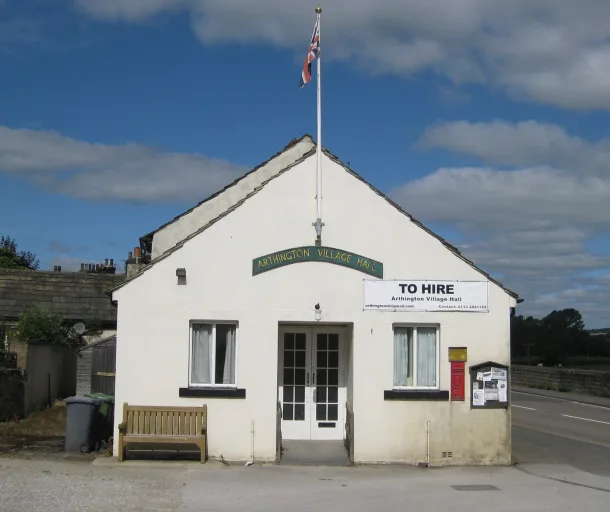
x=287 y=412
x=288 y=395
x=299 y=412
x=320 y=394
x=294 y=377
x=300 y=341
x=320 y=412
x=299 y=394
x=333 y=395
x=333 y=342
x=333 y=359
x=322 y=359
x=289 y=341
x=321 y=377
x=289 y=358
x=333 y=377
x=299 y=359
x=288 y=377
x=333 y=412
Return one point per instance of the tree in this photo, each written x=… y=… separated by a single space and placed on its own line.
x=10 y=257
x=38 y=325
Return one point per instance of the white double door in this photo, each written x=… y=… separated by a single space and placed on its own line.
x=312 y=382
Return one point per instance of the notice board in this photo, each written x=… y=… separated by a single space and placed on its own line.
x=489 y=386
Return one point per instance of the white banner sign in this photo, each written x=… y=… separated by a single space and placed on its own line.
x=410 y=295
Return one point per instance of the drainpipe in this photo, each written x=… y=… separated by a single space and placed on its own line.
x=428 y=443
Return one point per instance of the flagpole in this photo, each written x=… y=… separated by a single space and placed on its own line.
x=319 y=223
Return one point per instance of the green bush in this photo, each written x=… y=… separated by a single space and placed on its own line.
x=42 y=326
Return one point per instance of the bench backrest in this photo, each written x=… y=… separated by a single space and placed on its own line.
x=169 y=421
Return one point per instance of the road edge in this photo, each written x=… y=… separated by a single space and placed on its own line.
x=582 y=399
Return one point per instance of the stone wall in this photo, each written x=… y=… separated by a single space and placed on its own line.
x=12 y=394
x=562 y=379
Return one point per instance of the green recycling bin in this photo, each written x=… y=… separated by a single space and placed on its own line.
x=105 y=418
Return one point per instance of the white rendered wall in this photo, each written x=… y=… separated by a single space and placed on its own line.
x=154 y=314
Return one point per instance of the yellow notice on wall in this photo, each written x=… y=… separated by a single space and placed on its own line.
x=458 y=354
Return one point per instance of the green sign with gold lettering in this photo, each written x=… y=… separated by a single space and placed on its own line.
x=319 y=254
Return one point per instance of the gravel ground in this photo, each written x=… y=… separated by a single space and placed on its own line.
x=59 y=486
x=50 y=486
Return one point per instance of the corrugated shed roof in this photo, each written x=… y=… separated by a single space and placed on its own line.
x=107 y=340
x=76 y=296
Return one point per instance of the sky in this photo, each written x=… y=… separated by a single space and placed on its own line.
x=487 y=120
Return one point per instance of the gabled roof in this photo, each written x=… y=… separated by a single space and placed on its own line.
x=146 y=240
x=76 y=296
x=330 y=155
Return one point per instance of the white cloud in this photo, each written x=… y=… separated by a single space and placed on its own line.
x=554 y=51
x=131 y=172
x=541 y=198
x=129 y=10
x=535 y=226
x=516 y=144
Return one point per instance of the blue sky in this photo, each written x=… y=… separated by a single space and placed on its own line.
x=485 y=120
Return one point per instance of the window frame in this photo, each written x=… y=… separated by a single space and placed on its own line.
x=213 y=323
x=414 y=326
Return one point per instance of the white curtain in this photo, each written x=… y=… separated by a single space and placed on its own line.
x=426 y=356
x=401 y=356
x=201 y=365
x=228 y=376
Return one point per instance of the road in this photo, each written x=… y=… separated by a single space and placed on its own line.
x=553 y=431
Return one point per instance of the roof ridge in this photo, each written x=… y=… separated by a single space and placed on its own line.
x=292 y=143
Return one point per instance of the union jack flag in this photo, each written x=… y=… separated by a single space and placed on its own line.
x=314 y=50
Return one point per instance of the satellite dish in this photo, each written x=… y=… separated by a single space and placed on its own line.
x=79 y=328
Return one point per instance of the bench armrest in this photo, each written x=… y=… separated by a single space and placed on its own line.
x=123 y=428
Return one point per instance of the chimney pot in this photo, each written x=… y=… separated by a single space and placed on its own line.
x=58 y=268
x=82 y=267
x=54 y=268
x=106 y=262
x=111 y=262
x=137 y=252
x=129 y=255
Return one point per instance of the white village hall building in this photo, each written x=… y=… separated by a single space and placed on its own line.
x=380 y=334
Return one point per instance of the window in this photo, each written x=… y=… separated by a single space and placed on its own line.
x=213 y=351
x=416 y=357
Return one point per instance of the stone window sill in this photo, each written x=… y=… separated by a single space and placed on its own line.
x=212 y=392
x=416 y=394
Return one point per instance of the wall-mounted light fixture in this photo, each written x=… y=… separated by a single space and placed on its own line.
x=181 y=275
x=318 y=312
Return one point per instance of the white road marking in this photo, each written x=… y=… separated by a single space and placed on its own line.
x=522 y=407
x=585 y=419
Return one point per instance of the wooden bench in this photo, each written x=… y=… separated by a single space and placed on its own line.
x=163 y=425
